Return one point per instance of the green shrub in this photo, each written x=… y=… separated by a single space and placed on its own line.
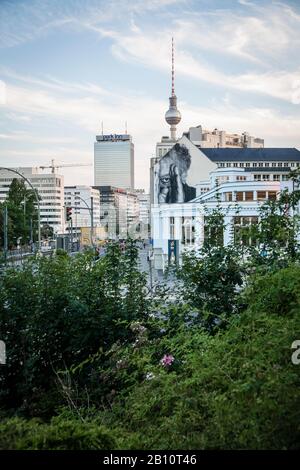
x=59 y=434
x=235 y=390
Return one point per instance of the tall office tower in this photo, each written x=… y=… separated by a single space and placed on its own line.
x=114 y=161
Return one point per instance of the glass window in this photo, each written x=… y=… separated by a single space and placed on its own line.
x=272 y=195
x=261 y=195
x=172 y=228
x=187 y=230
x=244 y=230
x=239 y=196
x=249 y=196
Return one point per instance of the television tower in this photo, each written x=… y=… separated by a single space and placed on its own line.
x=173 y=116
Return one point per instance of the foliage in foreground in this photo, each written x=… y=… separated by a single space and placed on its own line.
x=60 y=434
x=237 y=389
x=57 y=313
x=141 y=371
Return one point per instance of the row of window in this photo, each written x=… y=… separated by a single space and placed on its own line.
x=257 y=177
x=250 y=196
x=259 y=165
x=49 y=191
x=267 y=177
x=240 y=233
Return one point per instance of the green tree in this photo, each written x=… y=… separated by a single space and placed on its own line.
x=276 y=232
x=22 y=212
x=46 y=231
x=57 y=313
x=212 y=274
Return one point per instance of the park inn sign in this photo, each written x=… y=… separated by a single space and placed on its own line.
x=112 y=137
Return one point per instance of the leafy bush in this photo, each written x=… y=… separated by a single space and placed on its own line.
x=59 y=434
x=211 y=277
x=55 y=313
x=235 y=390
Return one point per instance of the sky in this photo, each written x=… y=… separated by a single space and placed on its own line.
x=66 y=66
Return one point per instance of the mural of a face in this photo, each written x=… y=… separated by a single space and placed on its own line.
x=172 y=174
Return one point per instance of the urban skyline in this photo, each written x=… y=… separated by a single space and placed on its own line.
x=72 y=65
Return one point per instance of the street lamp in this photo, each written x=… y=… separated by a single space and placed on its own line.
x=37 y=200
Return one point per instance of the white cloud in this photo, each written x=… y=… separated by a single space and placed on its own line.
x=55 y=84
x=147 y=128
x=29 y=19
x=278 y=84
x=260 y=42
x=22 y=136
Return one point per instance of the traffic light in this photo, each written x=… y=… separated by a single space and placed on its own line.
x=68 y=213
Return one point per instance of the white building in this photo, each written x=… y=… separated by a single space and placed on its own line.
x=144 y=203
x=114 y=161
x=222 y=139
x=238 y=180
x=79 y=198
x=119 y=211
x=204 y=169
x=50 y=187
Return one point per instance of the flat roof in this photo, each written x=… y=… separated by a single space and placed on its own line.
x=251 y=154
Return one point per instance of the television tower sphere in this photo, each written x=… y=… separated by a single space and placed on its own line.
x=173 y=116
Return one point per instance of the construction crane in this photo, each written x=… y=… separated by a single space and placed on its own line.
x=54 y=166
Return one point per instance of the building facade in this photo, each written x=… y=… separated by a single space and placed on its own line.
x=119 y=211
x=50 y=187
x=222 y=139
x=238 y=181
x=114 y=161
x=144 y=202
x=79 y=197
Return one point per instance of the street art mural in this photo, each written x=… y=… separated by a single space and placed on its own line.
x=170 y=177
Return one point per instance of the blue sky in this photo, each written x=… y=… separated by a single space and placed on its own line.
x=65 y=66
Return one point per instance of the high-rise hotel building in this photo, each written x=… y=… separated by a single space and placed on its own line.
x=114 y=161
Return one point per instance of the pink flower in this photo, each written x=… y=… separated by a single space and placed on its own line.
x=167 y=360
